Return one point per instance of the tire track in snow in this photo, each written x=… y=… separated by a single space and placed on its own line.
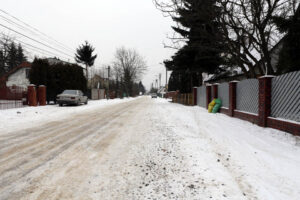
x=24 y=165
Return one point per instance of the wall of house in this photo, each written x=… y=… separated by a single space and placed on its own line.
x=18 y=78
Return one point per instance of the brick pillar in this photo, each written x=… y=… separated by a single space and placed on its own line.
x=215 y=91
x=264 y=102
x=232 y=97
x=208 y=95
x=32 y=95
x=42 y=95
x=195 y=95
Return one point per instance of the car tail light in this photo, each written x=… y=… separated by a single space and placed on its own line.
x=72 y=97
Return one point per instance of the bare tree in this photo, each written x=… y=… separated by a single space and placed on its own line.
x=170 y=8
x=249 y=31
x=129 y=66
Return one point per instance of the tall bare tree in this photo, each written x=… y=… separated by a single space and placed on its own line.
x=130 y=66
x=250 y=33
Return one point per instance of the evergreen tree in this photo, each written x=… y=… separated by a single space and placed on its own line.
x=202 y=52
x=142 y=88
x=289 y=59
x=2 y=63
x=84 y=55
x=12 y=56
x=20 y=57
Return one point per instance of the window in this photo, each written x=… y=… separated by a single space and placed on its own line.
x=27 y=73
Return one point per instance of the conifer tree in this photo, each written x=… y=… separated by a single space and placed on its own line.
x=20 y=57
x=12 y=56
x=203 y=48
x=289 y=56
x=84 y=55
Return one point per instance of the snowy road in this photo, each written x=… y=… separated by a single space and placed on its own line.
x=148 y=149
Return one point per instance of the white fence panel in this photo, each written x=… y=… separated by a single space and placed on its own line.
x=223 y=94
x=201 y=96
x=286 y=96
x=247 y=96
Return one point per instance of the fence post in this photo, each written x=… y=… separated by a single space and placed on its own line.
x=215 y=91
x=195 y=90
x=32 y=96
x=208 y=95
x=232 y=97
x=42 y=95
x=264 y=100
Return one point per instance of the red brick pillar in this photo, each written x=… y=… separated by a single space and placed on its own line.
x=42 y=95
x=208 y=95
x=215 y=91
x=195 y=95
x=32 y=95
x=232 y=97
x=264 y=102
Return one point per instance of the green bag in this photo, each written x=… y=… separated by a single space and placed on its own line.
x=217 y=106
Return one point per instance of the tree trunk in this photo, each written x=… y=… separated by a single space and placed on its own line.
x=87 y=72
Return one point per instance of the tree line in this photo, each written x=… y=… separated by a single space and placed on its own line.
x=11 y=54
x=219 y=36
x=127 y=69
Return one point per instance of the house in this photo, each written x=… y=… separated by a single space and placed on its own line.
x=98 y=82
x=228 y=76
x=18 y=76
x=54 y=61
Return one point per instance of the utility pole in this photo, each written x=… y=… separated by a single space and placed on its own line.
x=159 y=80
x=108 y=75
x=166 y=77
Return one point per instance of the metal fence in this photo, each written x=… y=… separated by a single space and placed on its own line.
x=12 y=97
x=223 y=94
x=286 y=96
x=201 y=96
x=247 y=96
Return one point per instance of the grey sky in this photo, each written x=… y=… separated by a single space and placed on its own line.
x=106 y=24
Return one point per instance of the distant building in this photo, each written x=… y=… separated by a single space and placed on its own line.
x=18 y=76
x=53 y=61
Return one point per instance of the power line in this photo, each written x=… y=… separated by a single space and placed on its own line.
x=26 y=29
x=40 y=50
x=35 y=40
x=35 y=29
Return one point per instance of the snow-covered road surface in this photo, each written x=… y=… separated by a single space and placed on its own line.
x=147 y=149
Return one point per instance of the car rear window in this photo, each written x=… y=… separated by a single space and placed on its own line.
x=73 y=92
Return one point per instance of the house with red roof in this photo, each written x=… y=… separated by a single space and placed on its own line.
x=18 y=76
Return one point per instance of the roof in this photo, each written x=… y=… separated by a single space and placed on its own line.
x=3 y=78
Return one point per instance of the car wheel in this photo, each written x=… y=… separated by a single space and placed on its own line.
x=60 y=105
x=86 y=102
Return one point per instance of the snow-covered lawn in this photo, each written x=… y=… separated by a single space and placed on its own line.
x=26 y=117
x=144 y=149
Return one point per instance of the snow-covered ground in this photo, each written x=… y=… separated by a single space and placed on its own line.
x=146 y=149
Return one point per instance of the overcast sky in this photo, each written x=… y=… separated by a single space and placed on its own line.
x=106 y=24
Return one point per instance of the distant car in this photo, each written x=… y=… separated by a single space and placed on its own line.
x=71 y=97
x=153 y=95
